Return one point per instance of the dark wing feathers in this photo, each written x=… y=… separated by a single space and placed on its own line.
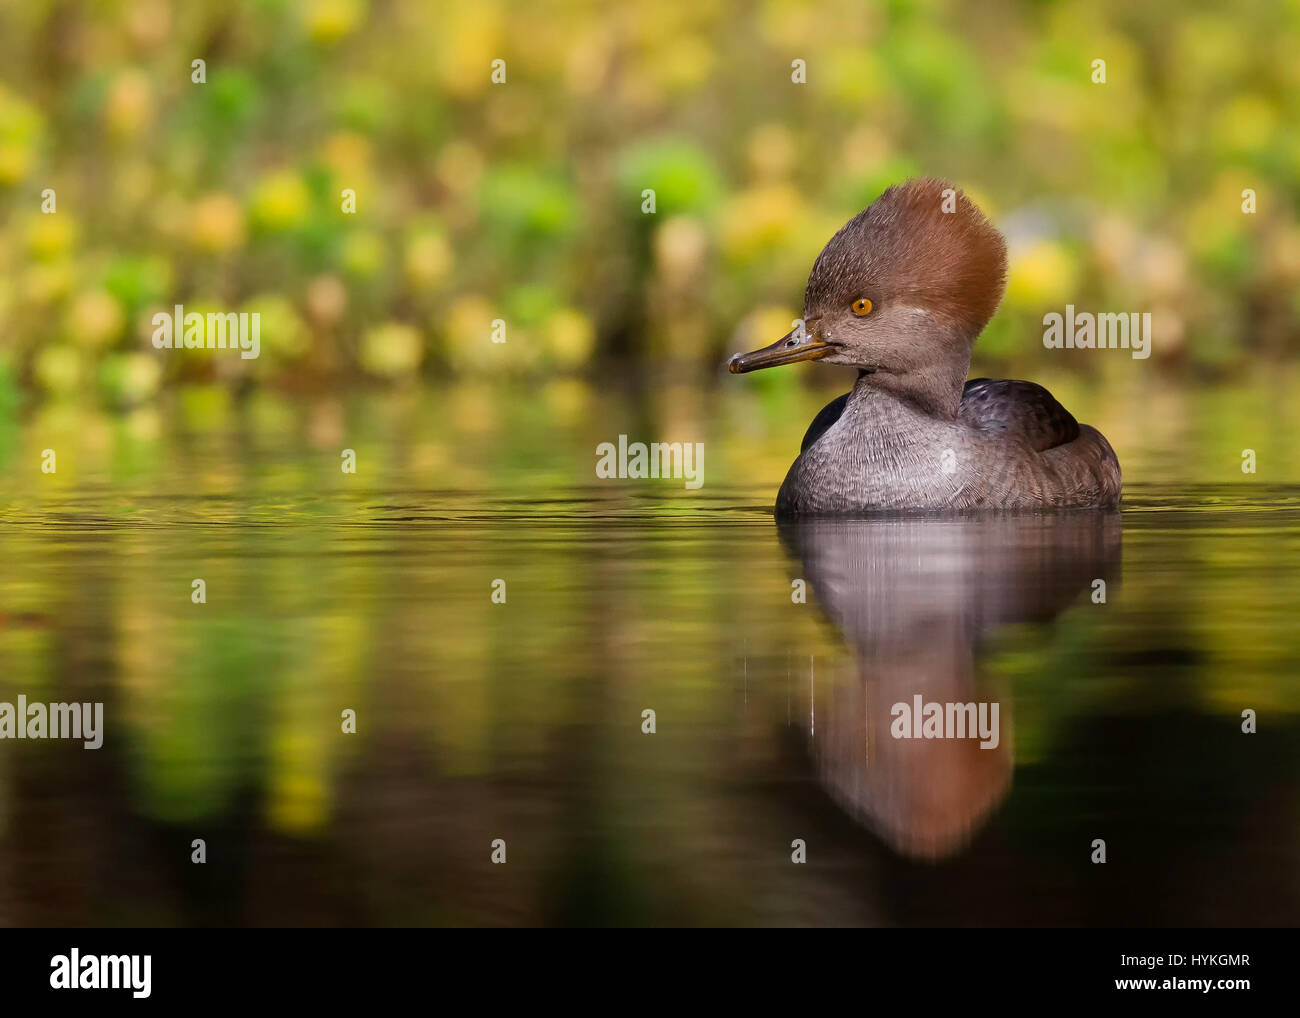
x=821 y=424
x=1015 y=409
x=1022 y=410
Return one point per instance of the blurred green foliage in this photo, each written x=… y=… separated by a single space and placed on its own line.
x=522 y=201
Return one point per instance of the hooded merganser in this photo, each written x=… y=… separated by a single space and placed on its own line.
x=901 y=293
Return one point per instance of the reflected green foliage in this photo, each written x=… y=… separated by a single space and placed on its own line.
x=478 y=720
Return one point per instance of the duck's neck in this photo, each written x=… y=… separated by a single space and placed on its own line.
x=933 y=388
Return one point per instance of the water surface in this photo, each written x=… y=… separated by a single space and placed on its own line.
x=1120 y=718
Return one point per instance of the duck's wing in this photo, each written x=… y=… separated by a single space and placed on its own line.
x=822 y=423
x=1015 y=409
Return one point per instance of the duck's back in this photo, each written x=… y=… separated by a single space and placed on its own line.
x=1076 y=465
x=1011 y=408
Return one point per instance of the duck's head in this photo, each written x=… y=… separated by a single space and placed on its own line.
x=901 y=292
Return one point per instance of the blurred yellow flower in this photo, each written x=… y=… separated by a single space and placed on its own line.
x=129 y=107
x=771 y=150
x=570 y=337
x=58 y=369
x=467 y=334
x=1161 y=270
x=45 y=282
x=459 y=167
x=764 y=325
x=20 y=131
x=470 y=39
x=328 y=21
x=281 y=201
x=95 y=319
x=282 y=333
x=48 y=237
x=1043 y=273
x=148 y=22
x=348 y=154
x=327 y=300
x=567 y=400
x=132 y=377
x=428 y=258
x=864 y=150
x=760 y=219
x=15 y=158
x=217 y=223
x=782 y=23
x=853 y=77
x=680 y=246
x=1282 y=256
x=1247 y=123
x=588 y=60
x=683 y=63
x=392 y=350
x=364 y=254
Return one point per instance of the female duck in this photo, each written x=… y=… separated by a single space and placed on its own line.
x=901 y=293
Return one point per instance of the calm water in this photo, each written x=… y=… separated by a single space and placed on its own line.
x=1119 y=719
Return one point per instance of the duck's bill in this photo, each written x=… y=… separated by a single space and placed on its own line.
x=789 y=349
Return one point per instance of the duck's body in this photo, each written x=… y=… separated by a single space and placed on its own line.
x=1010 y=446
x=902 y=292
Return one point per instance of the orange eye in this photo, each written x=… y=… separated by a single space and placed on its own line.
x=861 y=306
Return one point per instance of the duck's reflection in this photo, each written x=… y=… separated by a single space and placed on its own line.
x=914 y=598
